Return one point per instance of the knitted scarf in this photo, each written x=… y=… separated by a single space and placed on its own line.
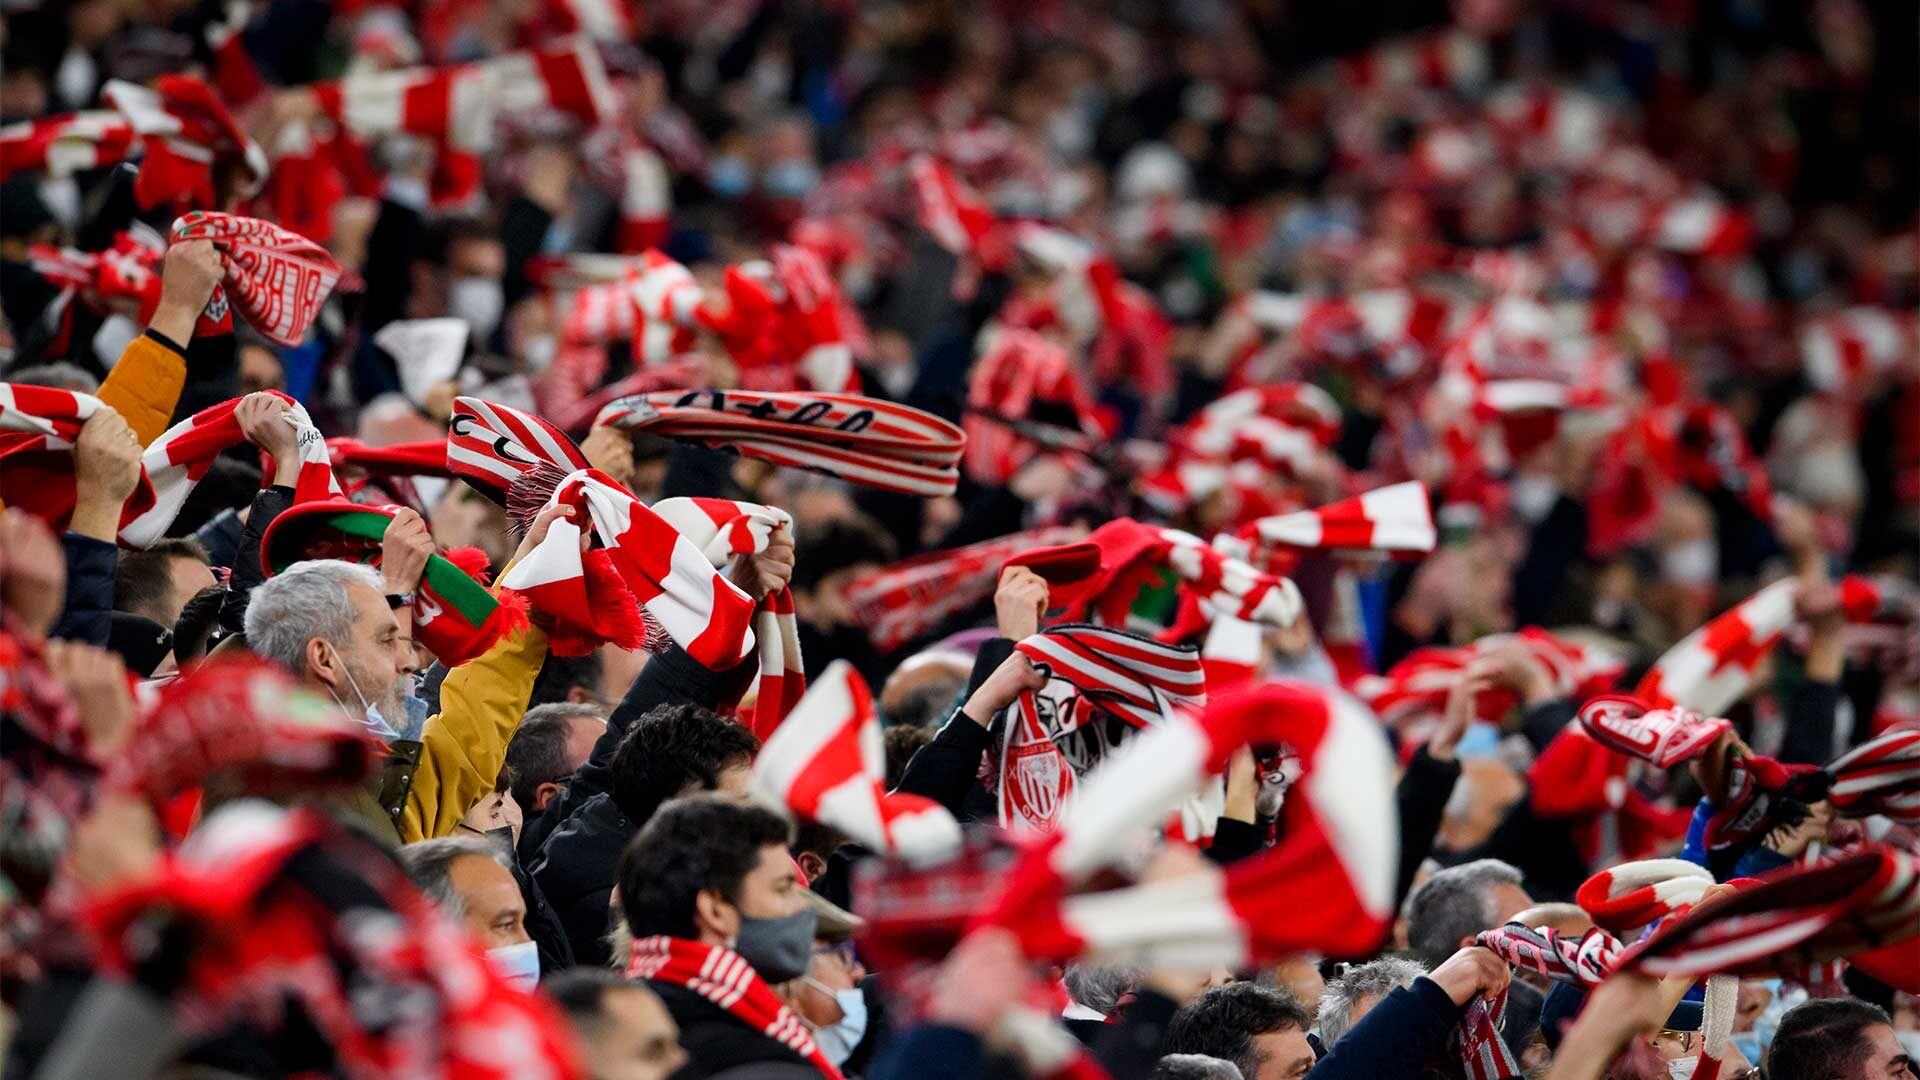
x=503 y=451
x=826 y=763
x=722 y=529
x=1396 y=518
x=454 y=615
x=1212 y=583
x=189 y=136
x=63 y=145
x=275 y=279
x=910 y=599
x=301 y=923
x=37 y=428
x=1021 y=377
x=720 y=975
x=1665 y=737
x=640 y=562
x=1092 y=670
x=861 y=440
x=1327 y=886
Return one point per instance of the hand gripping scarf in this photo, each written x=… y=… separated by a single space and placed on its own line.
x=1415 y=690
x=1212 y=583
x=1327 y=886
x=244 y=719
x=275 y=279
x=1714 y=666
x=722 y=529
x=638 y=559
x=1091 y=668
x=299 y=923
x=826 y=764
x=48 y=421
x=910 y=599
x=859 y=439
x=1861 y=899
x=719 y=974
x=454 y=615
x=1665 y=737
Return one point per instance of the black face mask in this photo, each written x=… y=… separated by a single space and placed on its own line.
x=778 y=949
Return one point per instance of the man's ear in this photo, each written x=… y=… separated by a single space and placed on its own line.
x=579 y=695
x=544 y=794
x=712 y=914
x=812 y=865
x=322 y=661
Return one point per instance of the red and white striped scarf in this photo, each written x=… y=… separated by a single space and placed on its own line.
x=1213 y=584
x=1022 y=377
x=722 y=977
x=41 y=420
x=1396 y=518
x=181 y=457
x=859 y=439
x=1665 y=737
x=188 y=135
x=957 y=218
x=499 y=449
x=1484 y=1054
x=274 y=278
x=722 y=529
x=826 y=763
x=63 y=145
x=910 y=599
x=1881 y=776
x=1861 y=898
x=1091 y=669
x=1414 y=691
x=1327 y=886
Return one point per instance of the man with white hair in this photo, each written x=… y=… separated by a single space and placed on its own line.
x=1355 y=991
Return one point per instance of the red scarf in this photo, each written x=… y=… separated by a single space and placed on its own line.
x=910 y=599
x=720 y=975
x=275 y=279
x=859 y=439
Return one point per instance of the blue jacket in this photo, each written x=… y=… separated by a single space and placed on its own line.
x=1395 y=1038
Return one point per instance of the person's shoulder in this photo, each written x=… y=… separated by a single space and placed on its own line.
x=715 y=1039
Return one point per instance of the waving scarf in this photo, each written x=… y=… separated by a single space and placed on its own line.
x=305 y=925
x=275 y=279
x=1327 y=886
x=1396 y=518
x=722 y=529
x=910 y=599
x=1213 y=583
x=719 y=974
x=826 y=763
x=1665 y=737
x=861 y=440
x=501 y=450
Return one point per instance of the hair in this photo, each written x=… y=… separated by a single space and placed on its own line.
x=1454 y=904
x=1361 y=981
x=1223 y=1021
x=1822 y=1039
x=537 y=753
x=692 y=845
x=1195 y=1067
x=927 y=704
x=901 y=744
x=581 y=992
x=831 y=546
x=305 y=601
x=58 y=374
x=1100 y=988
x=143 y=582
x=560 y=674
x=670 y=749
x=429 y=863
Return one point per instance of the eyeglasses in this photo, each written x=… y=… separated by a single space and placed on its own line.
x=842 y=950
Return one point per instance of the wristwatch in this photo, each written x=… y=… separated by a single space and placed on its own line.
x=398 y=600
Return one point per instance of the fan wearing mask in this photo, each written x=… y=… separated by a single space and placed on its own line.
x=829 y=996
x=467 y=878
x=707 y=886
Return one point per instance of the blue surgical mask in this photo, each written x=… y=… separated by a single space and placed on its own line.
x=518 y=964
x=369 y=713
x=838 y=1039
x=791 y=179
x=729 y=177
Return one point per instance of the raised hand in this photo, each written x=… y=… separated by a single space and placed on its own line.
x=1020 y=602
x=404 y=551
x=106 y=467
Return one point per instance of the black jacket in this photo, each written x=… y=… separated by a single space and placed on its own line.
x=580 y=860
x=714 y=1039
x=247 y=574
x=87 y=612
x=1396 y=1037
x=947 y=770
x=1421 y=796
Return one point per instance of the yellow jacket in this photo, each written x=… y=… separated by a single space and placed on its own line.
x=464 y=745
x=144 y=385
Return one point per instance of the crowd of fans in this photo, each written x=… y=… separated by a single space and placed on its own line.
x=572 y=538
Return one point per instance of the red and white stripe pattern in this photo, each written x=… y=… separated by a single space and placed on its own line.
x=274 y=278
x=724 y=978
x=859 y=439
x=1881 y=776
x=1327 y=886
x=950 y=211
x=38 y=426
x=1021 y=371
x=1139 y=680
x=1713 y=667
x=723 y=529
x=912 y=598
x=665 y=298
x=491 y=446
x=1844 y=351
x=53 y=417
x=1396 y=518
x=646 y=198
x=1794 y=918
x=187 y=132
x=185 y=452
x=1585 y=961
x=1452 y=58
x=459 y=106
x=1665 y=737
x=601 y=20
x=63 y=145
x=1698 y=224
x=665 y=573
x=826 y=763
x=1484 y=1054
x=1625 y=898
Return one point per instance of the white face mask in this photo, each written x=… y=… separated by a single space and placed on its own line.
x=1682 y=1068
x=368 y=713
x=1910 y=1042
x=538 y=352
x=838 y=1039
x=479 y=301
x=1693 y=562
x=518 y=964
